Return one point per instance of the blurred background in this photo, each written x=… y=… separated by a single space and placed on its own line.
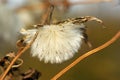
x=104 y=65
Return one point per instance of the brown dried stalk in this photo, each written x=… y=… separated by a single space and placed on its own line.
x=86 y=55
x=22 y=50
x=19 y=53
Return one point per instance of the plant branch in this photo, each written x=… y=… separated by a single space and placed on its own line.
x=48 y=16
x=21 y=51
x=86 y=55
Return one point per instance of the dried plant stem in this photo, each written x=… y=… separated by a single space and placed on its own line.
x=48 y=16
x=86 y=55
x=19 y=53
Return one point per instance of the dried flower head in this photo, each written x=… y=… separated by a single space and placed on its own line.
x=59 y=41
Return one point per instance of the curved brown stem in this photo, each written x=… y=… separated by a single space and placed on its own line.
x=19 y=53
x=86 y=55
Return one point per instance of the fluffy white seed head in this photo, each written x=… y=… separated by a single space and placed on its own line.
x=57 y=43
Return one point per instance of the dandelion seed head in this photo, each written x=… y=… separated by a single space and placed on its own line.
x=57 y=43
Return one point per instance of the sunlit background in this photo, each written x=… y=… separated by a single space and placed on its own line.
x=104 y=65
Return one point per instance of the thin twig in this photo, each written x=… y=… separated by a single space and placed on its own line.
x=50 y=14
x=45 y=17
x=21 y=51
x=86 y=55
